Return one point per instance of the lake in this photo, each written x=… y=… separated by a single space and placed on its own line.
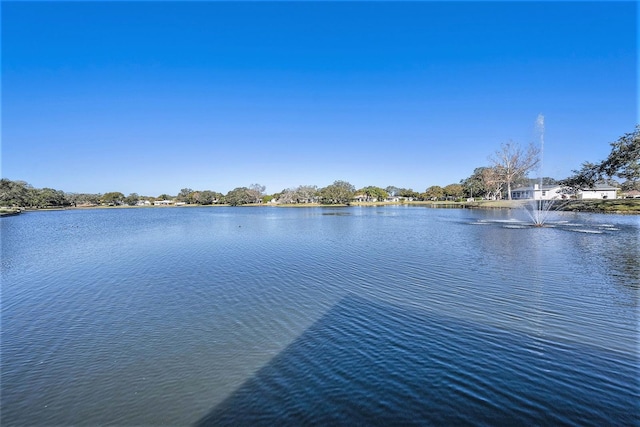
x=316 y=316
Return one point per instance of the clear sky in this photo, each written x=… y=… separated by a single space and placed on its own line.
x=152 y=97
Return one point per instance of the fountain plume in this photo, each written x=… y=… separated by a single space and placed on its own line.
x=539 y=210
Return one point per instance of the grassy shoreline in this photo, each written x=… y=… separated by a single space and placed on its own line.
x=617 y=206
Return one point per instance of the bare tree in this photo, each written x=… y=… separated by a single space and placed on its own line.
x=306 y=193
x=512 y=162
x=492 y=183
x=256 y=191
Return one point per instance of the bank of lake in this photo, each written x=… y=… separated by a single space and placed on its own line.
x=615 y=206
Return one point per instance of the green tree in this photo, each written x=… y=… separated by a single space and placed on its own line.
x=132 y=199
x=83 y=198
x=340 y=192
x=453 y=191
x=624 y=159
x=240 y=196
x=630 y=185
x=15 y=193
x=113 y=198
x=435 y=192
x=185 y=195
x=374 y=193
x=586 y=177
x=392 y=190
x=622 y=162
x=207 y=197
x=49 y=197
x=475 y=185
x=408 y=192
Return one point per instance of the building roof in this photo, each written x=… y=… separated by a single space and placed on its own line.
x=600 y=187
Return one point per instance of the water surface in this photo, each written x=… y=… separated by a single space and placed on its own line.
x=214 y=316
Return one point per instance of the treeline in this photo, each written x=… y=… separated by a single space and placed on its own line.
x=22 y=194
x=508 y=168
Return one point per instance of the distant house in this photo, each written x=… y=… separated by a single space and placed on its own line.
x=143 y=203
x=537 y=192
x=632 y=194
x=393 y=199
x=600 y=191
x=163 y=202
x=364 y=198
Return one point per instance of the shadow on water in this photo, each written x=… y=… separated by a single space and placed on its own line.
x=368 y=362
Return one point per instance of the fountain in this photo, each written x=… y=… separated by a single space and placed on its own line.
x=538 y=210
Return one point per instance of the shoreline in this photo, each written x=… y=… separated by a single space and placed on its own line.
x=614 y=206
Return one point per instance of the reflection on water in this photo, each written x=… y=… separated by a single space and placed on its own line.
x=367 y=361
x=258 y=315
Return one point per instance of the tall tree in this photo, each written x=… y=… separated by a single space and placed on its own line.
x=374 y=193
x=513 y=162
x=132 y=199
x=622 y=162
x=300 y=194
x=240 y=196
x=306 y=194
x=83 y=198
x=408 y=192
x=392 y=190
x=184 y=195
x=624 y=159
x=340 y=192
x=15 y=193
x=434 y=192
x=115 y=197
x=481 y=183
x=257 y=192
x=492 y=182
x=207 y=197
x=453 y=191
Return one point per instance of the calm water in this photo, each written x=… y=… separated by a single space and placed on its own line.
x=273 y=316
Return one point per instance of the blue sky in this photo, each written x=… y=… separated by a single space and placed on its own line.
x=152 y=97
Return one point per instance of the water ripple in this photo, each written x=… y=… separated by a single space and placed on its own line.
x=288 y=317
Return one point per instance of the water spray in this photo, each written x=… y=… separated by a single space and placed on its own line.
x=539 y=215
x=540 y=128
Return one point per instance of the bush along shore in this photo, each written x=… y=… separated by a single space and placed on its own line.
x=623 y=206
x=616 y=206
x=620 y=206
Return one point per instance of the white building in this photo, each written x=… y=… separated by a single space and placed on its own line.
x=537 y=192
x=598 y=192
